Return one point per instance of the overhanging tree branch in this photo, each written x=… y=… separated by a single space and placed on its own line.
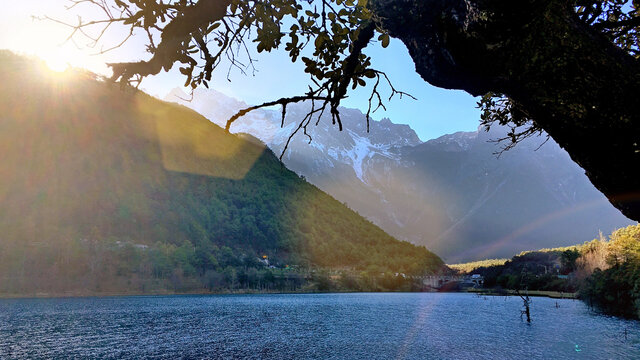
x=571 y=65
x=176 y=36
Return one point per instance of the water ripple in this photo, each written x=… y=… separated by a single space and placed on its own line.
x=317 y=326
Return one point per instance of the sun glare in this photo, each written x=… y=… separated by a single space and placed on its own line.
x=61 y=59
x=57 y=63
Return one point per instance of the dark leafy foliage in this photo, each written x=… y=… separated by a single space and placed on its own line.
x=533 y=270
x=616 y=290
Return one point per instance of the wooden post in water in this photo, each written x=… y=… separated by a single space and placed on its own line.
x=526 y=302
x=525 y=299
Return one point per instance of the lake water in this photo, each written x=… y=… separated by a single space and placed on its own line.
x=311 y=326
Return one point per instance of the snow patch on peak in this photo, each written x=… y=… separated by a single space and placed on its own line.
x=362 y=150
x=357 y=154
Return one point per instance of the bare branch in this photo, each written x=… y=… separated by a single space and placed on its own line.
x=282 y=101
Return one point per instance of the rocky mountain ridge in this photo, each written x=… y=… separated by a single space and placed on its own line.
x=451 y=194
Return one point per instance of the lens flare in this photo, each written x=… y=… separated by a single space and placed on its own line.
x=57 y=62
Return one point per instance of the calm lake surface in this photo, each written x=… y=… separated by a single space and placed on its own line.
x=311 y=326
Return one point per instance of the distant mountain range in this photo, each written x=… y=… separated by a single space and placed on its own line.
x=451 y=194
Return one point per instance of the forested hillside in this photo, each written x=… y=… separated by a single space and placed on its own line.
x=108 y=189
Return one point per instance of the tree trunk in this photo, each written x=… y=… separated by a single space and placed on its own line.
x=575 y=84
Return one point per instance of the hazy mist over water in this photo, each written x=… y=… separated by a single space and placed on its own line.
x=311 y=326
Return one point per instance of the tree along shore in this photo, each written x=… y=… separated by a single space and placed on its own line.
x=605 y=273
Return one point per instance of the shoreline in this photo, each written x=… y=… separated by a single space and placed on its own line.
x=480 y=292
x=535 y=293
x=43 y=295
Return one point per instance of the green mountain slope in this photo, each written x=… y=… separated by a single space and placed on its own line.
x=99 y=182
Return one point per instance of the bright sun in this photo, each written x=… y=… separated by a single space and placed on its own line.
x=57 y=62
x=59 y=59
x=23 y=30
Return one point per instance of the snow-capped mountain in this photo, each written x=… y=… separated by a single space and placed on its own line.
x=353 y=148
x=451 y=194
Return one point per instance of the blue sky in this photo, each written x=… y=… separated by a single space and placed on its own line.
x=434 y=113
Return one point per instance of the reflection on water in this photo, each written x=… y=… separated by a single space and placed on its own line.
x=319 y=326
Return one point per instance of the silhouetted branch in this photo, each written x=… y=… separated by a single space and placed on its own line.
x=282 y=101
